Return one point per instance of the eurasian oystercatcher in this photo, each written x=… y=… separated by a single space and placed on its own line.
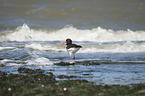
x=71 y=48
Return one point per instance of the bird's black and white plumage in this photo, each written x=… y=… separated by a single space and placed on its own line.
x=71 y=48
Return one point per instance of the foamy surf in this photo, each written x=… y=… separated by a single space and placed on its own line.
x=6 y=48
x=42 y=61
x=25 y=33
x=38 y=60
x=119 y=47
x=45 y=47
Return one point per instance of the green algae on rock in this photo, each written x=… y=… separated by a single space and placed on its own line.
x=2 y=65
x=87 y=63
x=41 y=84
x=2 y=74
x=64 y=76
x=91 y=63
x=29 y=71
x=64 y=63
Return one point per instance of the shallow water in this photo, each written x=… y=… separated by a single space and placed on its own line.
x=112 y=35
x=121 y=62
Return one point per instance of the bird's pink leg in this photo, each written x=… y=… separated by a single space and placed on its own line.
x=70 y=57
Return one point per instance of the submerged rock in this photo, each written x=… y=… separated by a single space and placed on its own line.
x=87 y=63
x=91 y=63
x=65 y=76
x=64 y=63
x=29 y=71
x=2 y=65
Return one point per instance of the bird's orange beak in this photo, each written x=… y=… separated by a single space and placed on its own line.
x=62 y=43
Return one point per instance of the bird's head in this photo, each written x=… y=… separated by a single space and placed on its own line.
x=67 y=41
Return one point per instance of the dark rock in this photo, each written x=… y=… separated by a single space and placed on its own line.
x=46 y=85
x=51 y=70
x=64 y=64
x=29 y=71
x=2 y=65
x=64 y=76
x=88 y=62
x=2 y=74
x=91 y=63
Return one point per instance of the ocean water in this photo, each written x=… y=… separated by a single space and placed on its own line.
x=111 y=33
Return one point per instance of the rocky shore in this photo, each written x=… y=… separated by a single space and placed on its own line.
x=34 y=83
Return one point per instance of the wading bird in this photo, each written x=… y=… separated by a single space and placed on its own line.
x=71 y=48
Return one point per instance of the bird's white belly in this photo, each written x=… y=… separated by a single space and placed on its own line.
x=72 y=50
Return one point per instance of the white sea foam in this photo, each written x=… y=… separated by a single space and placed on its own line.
x=130 y=47
x=5 y=61
x=115 y=48
x=8 y=62
x=24 y=33
x=36 y=46
x=47 y=47
x=37 y=60
x=120 y=48
x=4 y=48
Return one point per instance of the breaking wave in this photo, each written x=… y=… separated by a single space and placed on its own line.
x=25 y=33
x=118 y=47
